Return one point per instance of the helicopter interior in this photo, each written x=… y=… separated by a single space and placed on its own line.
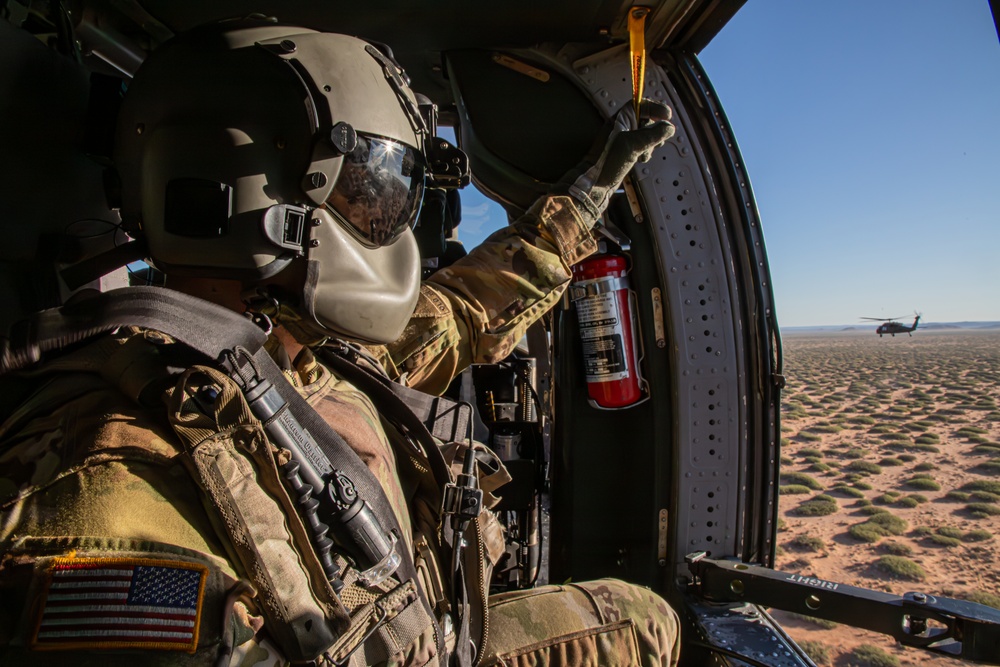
x=676 y=490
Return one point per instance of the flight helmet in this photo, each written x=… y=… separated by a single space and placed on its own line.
x=256 y=152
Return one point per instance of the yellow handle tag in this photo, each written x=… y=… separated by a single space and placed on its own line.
x=637 y=51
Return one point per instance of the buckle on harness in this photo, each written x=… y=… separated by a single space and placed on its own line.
x=381 y=618
x=463 y=499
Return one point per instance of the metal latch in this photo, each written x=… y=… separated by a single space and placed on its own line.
x=956 y=628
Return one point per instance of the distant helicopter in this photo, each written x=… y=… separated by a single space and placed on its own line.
x=891 y=327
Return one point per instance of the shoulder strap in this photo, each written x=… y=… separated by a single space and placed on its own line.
x=236 y=344
x=411 y=410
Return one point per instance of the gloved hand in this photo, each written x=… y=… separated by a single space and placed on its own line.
x=622 y=144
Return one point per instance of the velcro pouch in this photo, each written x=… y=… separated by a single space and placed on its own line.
x=237 y=467
x=231 y=459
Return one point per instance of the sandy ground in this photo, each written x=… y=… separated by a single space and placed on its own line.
x=921 y=405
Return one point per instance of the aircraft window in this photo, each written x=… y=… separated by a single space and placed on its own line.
x=481 y=216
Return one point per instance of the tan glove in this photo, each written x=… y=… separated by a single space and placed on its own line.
x=622 y=143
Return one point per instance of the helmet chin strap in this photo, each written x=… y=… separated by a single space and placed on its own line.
x=260 y=301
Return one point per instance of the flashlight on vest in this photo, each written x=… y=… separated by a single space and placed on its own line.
x=325 y=495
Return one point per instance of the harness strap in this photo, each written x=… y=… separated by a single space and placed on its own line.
x=397 y=403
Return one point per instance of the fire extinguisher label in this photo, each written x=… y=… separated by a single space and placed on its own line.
x=602 y=337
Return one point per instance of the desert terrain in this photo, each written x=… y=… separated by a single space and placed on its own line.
x=890 y=475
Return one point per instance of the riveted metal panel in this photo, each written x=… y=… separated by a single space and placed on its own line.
x=700 y=289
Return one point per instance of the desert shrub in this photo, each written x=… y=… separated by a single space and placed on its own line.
x=896 y=437
x=817 y=506
x=861 y=419
x=889 y=522
x=855 y=453
x=927 y=439
x=978 y=535
x=949 y=531
x=982 y=485
x=879 y=525
x=863 y=467
x=888 y=497
x=810 y=451
x=971 y=430
x=864 y=486
x=896 y=549
x=793 y=489
x=807 y=543
x=924 y=465
x=808 y=437
x=863 y=502
x=901 y=567
x=871 y=510
x=882 y=428
x=985 y=497
x=848 y=491
x=913 y=447
x=889 y=462
x=794 y=411
x=918 y=497
x=782 y=524
x=922 y=483
x=867 y=655
x=989 y=467
x=987 y=449
x=982 y=510
x=907 y=457
x=944 y=540
x=959 y=496
x=817 y=651
x=819 y=466
x=786 y=461
x=922 y=531
x=906 y=502
x=800 y=478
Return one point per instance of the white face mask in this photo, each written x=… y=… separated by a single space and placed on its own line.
x=357 y=292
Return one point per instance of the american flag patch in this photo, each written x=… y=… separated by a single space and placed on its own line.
x=121 y=603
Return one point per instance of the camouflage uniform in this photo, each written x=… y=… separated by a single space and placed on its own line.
x=92 y=476
x=477 y=309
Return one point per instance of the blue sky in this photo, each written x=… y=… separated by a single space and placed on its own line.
x=871 y=132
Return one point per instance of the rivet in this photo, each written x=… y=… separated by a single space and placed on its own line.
x=314 y=243
x=287 y=45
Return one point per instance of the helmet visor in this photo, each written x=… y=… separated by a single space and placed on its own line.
x=379 y=189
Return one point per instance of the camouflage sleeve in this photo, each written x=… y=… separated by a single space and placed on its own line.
x=477 y=309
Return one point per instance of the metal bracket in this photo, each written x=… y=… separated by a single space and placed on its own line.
x=954 y=628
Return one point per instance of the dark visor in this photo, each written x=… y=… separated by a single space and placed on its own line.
x=379 y=189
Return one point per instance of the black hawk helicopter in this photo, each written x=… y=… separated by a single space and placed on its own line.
x=892 y=327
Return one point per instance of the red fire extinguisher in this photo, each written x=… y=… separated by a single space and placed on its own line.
x=606 y=317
